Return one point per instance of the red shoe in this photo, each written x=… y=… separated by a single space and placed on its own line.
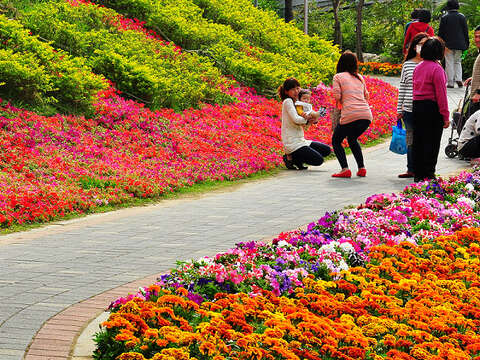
x=343 y=174
x=362 y=172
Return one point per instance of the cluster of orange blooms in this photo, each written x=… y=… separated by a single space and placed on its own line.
x=380 y=68
x=409 y=302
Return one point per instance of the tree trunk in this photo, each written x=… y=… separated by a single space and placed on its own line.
x=337 y=34
x=359 y=29
x=288 y=10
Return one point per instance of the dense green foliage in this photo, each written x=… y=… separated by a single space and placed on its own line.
x=253 y=55
x=143 y=68
x=33 y=73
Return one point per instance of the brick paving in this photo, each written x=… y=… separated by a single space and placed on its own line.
x=55 y=279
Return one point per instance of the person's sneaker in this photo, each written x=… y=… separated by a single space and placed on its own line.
x=450 y=86
x=406 y=175
x=301 y=167
x=288 y=163
x=460 y=84
x=475 y=162
x=343 y=174
x=362 y=172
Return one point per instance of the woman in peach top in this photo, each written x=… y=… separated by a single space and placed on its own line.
x=352 y=97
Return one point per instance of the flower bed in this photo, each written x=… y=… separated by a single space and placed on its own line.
x=417 y=296
x=410 y=302
x=380 y=68
x=52 y=166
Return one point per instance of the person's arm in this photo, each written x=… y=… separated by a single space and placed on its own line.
x=406 y=41
x=440 y=86
x=336 y=89
x=465 y=32
x=441 y=29
x=401 y=91
x=292 y=112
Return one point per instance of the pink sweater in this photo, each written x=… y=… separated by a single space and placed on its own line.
x=430 y=83
x=352 y=94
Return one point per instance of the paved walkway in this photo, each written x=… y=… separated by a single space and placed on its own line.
x=45 y=271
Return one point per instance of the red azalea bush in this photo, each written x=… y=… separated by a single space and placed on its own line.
x=50 y=166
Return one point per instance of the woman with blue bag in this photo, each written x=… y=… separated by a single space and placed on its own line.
x=405 y=96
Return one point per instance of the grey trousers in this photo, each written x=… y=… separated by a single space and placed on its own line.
x=453 y=66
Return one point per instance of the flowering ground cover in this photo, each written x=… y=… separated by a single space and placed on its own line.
x=380 y=68
x=413 y=290
x=410 y=302
x=52 y=166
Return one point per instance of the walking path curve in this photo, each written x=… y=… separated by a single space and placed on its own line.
x=44 y=272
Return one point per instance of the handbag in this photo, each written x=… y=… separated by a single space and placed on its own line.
x=398 y=144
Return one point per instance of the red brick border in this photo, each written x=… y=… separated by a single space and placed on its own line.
x=57 y=336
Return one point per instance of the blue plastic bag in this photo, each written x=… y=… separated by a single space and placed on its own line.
x=398 y=144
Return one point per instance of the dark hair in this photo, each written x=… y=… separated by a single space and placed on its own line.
x=303 y=92
x=348 y=62
x=288 y=84
x=433 y=49
x=477 y=28
x=414 y=14
x=424 y=15
x=452 y=5
x=412 y=51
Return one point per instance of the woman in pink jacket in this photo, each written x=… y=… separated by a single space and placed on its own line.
x=352 y=96
x=430 y=109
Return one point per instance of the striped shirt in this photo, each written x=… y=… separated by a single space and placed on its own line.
x=352 y=95
x=405 y=91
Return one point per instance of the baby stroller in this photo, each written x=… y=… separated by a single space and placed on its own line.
x=459 y=117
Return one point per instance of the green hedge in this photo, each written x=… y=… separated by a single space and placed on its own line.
x=32 y=72
x=145 y=69
x=254 y=55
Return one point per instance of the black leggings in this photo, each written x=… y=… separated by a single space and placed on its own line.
x=427 y=134
x=471 y=149
x=311 y=155
x=352 y=132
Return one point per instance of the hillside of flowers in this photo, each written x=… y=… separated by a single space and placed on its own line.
x=145 y=130
x=53 y=166
x=396 y=278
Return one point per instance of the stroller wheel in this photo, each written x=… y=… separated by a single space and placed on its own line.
x=451 y=151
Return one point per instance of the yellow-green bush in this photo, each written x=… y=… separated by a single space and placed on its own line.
x=142 y=68
x=35 y=73
x=246 y=54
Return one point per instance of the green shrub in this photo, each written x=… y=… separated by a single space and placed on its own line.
x=24 y=77
x=142 y=68
x=253 y=55
x=467 y=63
x=34 y=72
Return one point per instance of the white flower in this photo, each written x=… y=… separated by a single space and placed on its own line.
x=466 y=200
x=342 y=266
x=347 y=247
x=283 y=243
x=469 y=187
